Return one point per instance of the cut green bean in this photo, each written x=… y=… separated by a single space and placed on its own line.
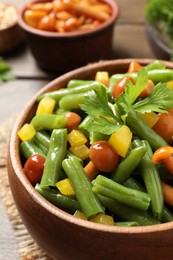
x=133 y=198
x=79 y=82
x=63 y=202
x=127 y=213
x=151 y=180
x=43 y=137
x=29 y=148
x=128 y=164
x=48 y=122
x=55 y=156
x=143 y=131
x=58 y=94
x=72 y=102
x=89 y=202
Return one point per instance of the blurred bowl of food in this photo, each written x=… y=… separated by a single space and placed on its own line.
x=64 y=35
x=11 y=35
x=158 y=18
x=80 y=222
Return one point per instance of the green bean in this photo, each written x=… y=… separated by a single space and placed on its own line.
x=167 y=215
x=143 y=131
x=58 y=94
x=127 y=213
x=128 y=164
x=48 y=122
x=127 y=224
x=29 y=148
x=55 y=156
x=109 y=188
x=88 y=201
x=72 y=102
x=79 y=82
x=43 y=137
x=63 y=202
x=151 y=180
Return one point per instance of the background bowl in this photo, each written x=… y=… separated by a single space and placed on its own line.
x=12 y=35
x=61 y=52
x=159 y=42
x=59 y=233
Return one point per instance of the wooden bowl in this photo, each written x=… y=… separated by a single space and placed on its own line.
x=62 y=52
x=62 y=235
x=12 y=35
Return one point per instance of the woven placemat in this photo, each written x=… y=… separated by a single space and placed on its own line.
x=27 y=247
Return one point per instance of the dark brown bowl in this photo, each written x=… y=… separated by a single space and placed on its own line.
x=160 y=43
x=62 y=235
x=57 y=52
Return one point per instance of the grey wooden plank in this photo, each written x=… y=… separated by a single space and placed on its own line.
x=15 y=94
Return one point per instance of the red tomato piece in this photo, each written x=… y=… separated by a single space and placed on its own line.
x=120 y=86
x=164 y=126
x=73 y=120
x=33 y=168
x=103 y=156
x=148 y=89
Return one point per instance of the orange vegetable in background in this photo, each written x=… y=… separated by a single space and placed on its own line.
x=134 y=67
x=164 y=155
x=164 y=126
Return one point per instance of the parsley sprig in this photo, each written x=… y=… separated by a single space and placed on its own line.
x=103 y=118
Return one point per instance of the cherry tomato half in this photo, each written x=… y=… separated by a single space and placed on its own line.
x=164 y=126
x=73 y=120
x=103 y=156
x=33 y=168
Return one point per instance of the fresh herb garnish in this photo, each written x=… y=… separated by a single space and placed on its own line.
x=5 y=71
x=103 y=119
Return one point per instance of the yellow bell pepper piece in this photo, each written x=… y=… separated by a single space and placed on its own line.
x=121 y=140
x=79 y=214
x=170 y=84
x=150 y=118
x=103 y=219
x=65 y=187
x=81 y=151
x=103 y=77
x=76 y=138
x=26 y=132
x=46 y=106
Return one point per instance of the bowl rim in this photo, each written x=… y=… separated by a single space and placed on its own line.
x=16 y=162
x=114 y=16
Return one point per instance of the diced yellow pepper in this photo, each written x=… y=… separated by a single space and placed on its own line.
x=65 y=187
x=121 y=140
x=170 y=84
x=26 y=132
x=103 y=77
x=46 y=106
x=81 y=151
x=79 y=214
x=103 y=219
x=150 y=118
x=76 y=138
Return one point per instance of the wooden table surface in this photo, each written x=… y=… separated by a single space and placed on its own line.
x=130 y=41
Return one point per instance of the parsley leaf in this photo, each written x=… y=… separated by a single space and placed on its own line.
x=5 y=71
x=160 y=100
x=102 y=119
